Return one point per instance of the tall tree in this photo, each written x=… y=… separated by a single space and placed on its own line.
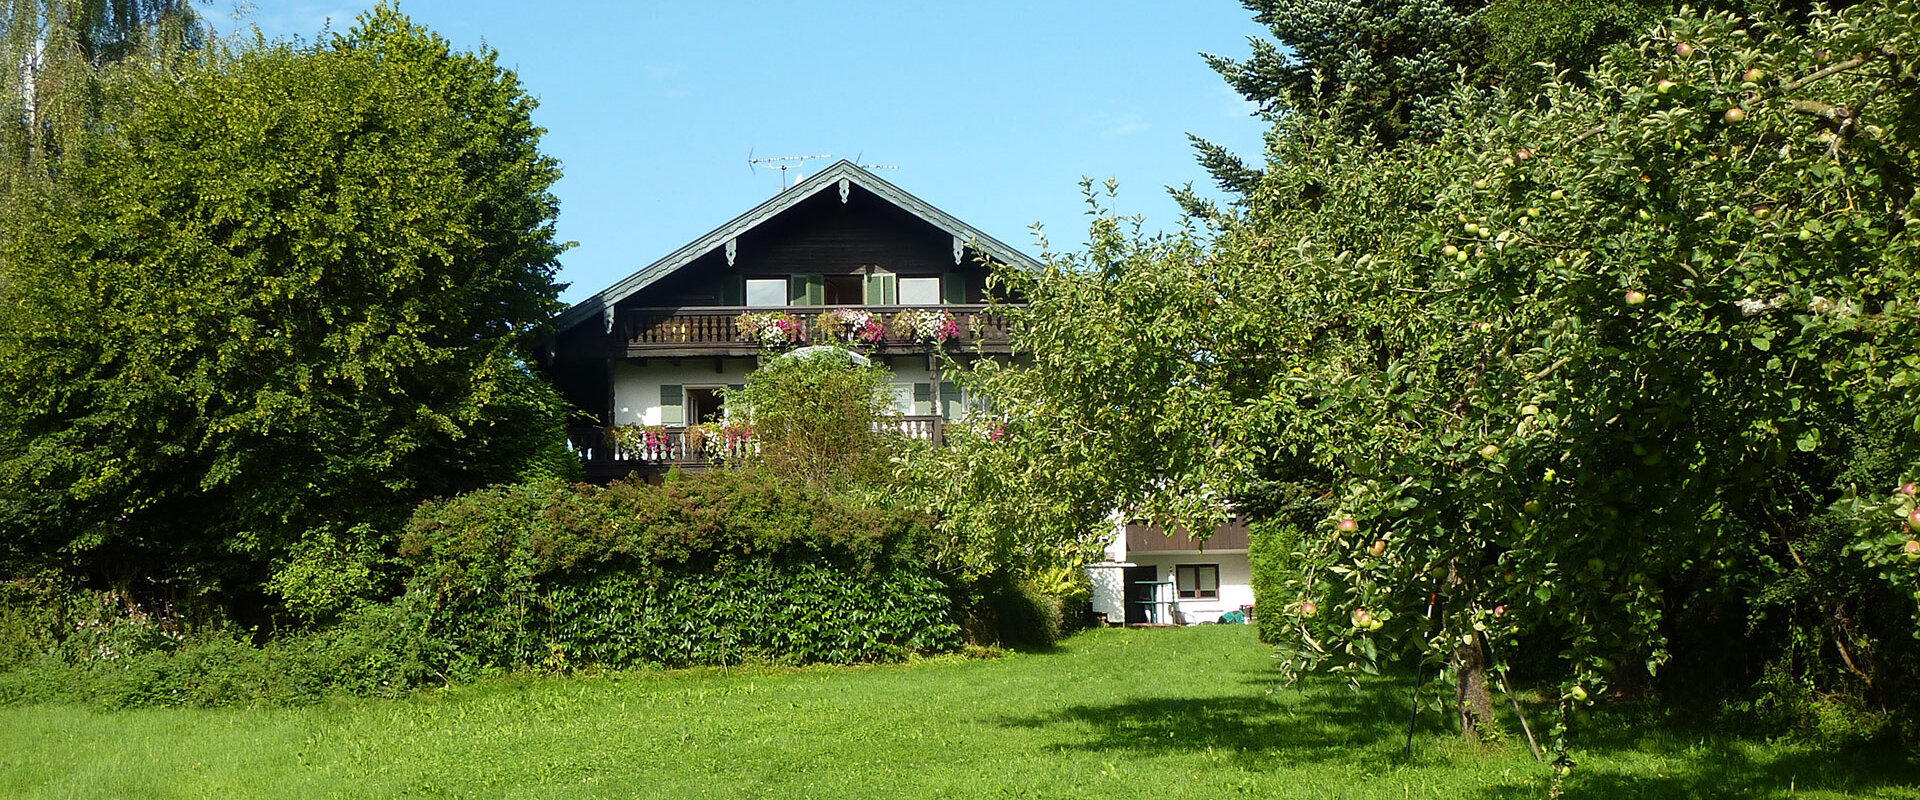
x=284 y=306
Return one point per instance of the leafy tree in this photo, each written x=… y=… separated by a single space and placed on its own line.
x=1576 y=370
x=281 y=301
x=818 y=417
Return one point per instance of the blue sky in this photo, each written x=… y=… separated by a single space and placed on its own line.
x=990 y=110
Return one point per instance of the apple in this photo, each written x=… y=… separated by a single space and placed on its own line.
x=1499 y=611
x=1469 y=228
x=1643 y=215
x=1578 y=693
x=1375 y=625
x=1754 y=75
x=1349 y=525
x=1379 y=547
x=1821 y=56
x=1362 y=618
x=1558 y=194
x=1490 y=451
x=1912 y=547
x=1532 y=507
x=1449 y=250
x=1635 y=297
x=1460 y=257
x=1913 y=519
x=1526 y=153
x=1480 y=184
x=1683 y=50
x=1308 y=609
x=1533 y=211
x=1735 y=115
x=1665 y=86
x=1762 y=212
x=1910 y=488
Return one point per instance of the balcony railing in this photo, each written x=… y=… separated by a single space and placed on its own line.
x=716 y=329
x=676 y=446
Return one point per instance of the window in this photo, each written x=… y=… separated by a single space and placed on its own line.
x=1197 y=581
x=919 y=291
x=765 y=293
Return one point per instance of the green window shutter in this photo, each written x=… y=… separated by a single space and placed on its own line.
x=950 y=397
x=953 y=288
x=673 y=410
x=922 y=399
x=806 y=290
x=733 y=291
x=883 y=289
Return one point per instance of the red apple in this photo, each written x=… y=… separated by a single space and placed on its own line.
x=1635 y=297
x=1913 y=519
x=1913 y=547
x=1735 y=115
x=1664 y=86
x=1683 y=50
x=1308 y=609
x=1499 y=611
x=1754 y=75
x=1379 y=546
x=1362 y=618
x=1349 y=525
x=1910 y=488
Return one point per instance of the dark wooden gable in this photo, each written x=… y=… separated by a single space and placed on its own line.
x=820 y=235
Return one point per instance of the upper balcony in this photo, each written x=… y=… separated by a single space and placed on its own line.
x=716 y=330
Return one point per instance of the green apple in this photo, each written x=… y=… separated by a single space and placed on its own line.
x=1578 y=693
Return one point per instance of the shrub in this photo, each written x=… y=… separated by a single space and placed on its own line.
x=708 y=569
x=1270 y=555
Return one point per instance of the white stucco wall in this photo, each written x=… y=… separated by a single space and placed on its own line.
x=1109 y=595
x=636 y=389
x=1236 y=580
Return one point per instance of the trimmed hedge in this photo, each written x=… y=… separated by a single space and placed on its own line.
x=1270 y=554
x=716 y=568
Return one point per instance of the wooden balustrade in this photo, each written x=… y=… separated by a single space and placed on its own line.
x=698 y=448
x=690 y=331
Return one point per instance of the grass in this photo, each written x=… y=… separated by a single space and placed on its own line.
x=1110 y=714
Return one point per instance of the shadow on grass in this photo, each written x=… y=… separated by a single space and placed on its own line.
x=1324 y=722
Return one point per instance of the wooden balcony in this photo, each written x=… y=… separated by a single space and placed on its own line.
x=715 y=330
x=675 y=447
x=1154 y=539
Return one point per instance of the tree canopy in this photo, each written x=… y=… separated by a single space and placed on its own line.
x=275 y=298
x=1597 y=374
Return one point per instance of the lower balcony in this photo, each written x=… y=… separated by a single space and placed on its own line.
x=651 y=450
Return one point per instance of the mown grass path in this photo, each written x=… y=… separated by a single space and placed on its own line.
x=1111 y=714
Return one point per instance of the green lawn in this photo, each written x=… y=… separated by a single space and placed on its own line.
x=1113 y=713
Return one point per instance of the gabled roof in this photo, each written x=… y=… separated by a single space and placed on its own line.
x=830 y=179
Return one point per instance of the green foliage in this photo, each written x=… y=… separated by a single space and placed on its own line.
x=817 y=416
x=1569 y=34
x=116 y=656
x=283 y=295
x=711 y=568
x=1571 y=368
x=1271 y=545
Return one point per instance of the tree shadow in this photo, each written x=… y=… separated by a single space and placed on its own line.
x=1324 y=722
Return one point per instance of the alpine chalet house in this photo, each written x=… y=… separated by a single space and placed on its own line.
x=842 y=258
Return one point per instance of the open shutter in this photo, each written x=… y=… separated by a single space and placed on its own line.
x=923 y=399
x=950 y=397
x=953 y=289
x=806 y=290
x=883 y=289
x=733 y=290
x=673 y=410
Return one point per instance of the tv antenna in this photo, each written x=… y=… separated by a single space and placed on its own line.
x=856 y=162
x=783 y=163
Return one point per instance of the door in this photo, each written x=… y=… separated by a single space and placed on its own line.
x=1139 y=592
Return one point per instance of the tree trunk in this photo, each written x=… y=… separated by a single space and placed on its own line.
x=1471 y=693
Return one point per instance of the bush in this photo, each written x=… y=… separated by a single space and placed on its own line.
x=712 y=568
x=1270 y=555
